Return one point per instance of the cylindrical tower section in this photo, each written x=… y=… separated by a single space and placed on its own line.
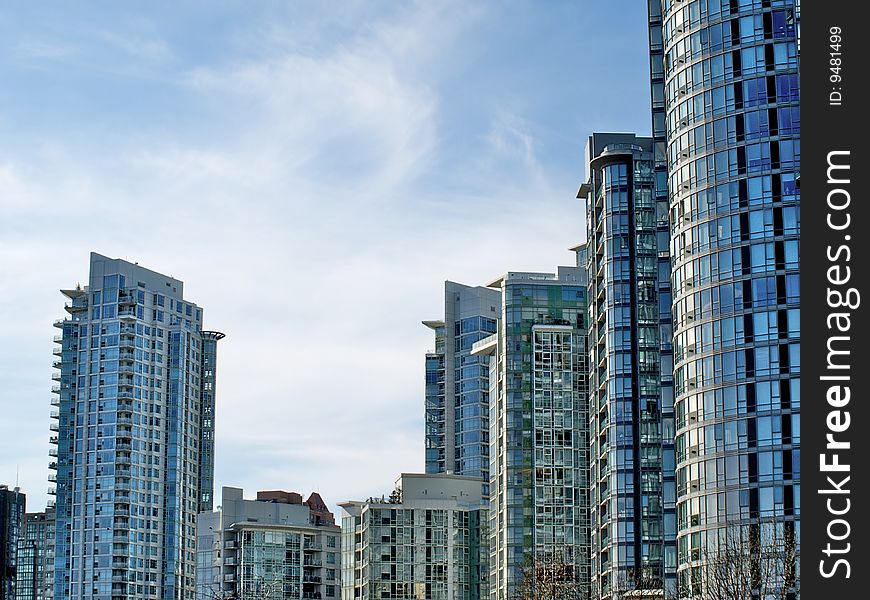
x=733 y=144
x=629 y=405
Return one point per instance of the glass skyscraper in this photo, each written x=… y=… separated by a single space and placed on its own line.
x=632 y=506
x=726 y=102
x=538 y=512
x=135 y=398
x=457 y=383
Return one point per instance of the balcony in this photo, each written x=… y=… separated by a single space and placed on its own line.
x=126 y=298
x=58 y=339
x=126 y=356
x=52 y=465
x=73 y=308
x=55 y=401
x=52 y=452
x=60 y=323
x=55 y=389
x=53 y=440
x=54 y=427
x=52 y=491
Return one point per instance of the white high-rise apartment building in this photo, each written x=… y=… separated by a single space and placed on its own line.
x=424 y=541
x=276 y=546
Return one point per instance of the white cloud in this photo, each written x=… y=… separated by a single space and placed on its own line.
x=303 y=211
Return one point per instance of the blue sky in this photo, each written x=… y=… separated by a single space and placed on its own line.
x=313 y=172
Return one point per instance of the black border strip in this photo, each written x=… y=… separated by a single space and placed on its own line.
x=834 y=123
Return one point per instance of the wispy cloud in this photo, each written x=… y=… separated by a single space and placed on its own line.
x=138 y=46
x=44 y=49
x=313 y=178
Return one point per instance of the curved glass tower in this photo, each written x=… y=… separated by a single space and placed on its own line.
x=732 y=122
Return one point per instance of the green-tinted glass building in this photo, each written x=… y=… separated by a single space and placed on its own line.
x=539 y=513
x=35 y=576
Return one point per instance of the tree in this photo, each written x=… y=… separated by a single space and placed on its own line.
x=263 y=590
x=642 y=588
x=551 y=577
x=748 y=562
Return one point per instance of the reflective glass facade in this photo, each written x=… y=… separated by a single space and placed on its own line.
x=539 y=467
x=457 y=383
x=631 y=366
x=730 y=103
x=129 y=444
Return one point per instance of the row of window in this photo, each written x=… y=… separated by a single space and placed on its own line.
x=728 y=332
x=746 y=398
x=753 y=60
x=734 y=505
x=740 y=161
x=731 y=436
x=731 y=367
x=744 y=30
x=737 y=228
x=732 y=196
x=734 y=130
x=765 y=466
x=733 y=97
x=755 y=258
x=682 y=16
